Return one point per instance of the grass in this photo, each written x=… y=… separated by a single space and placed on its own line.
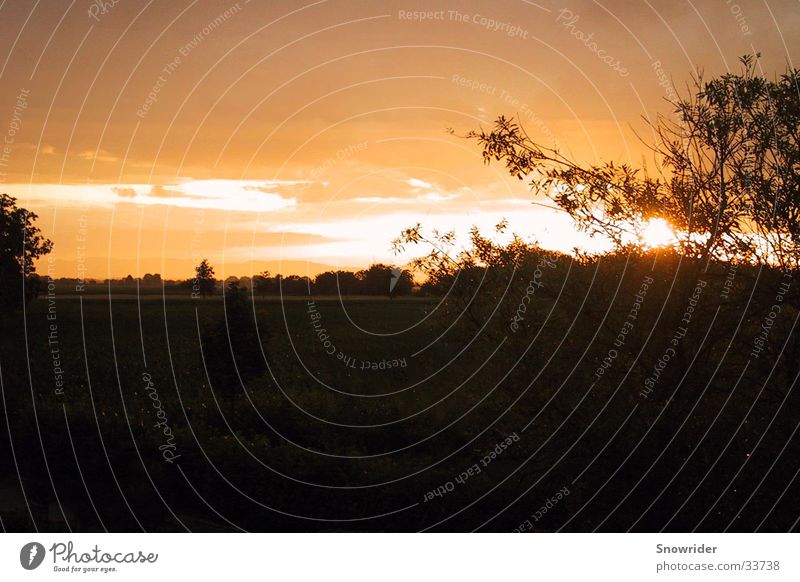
x=319 y=440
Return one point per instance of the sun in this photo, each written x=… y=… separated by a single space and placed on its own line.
x=657 y=233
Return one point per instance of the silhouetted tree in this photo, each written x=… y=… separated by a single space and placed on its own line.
x=772 y=171
x=336 y=283
x=150 y=280
x=203 y=283
x=380 y=279
x=262 y=283
x=728 y=164
x=401 y=282
x=294 y=285
x=20 y=244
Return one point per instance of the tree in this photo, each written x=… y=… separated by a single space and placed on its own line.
x=401 y=282
x=203 y=283
x=152 y=280
x=773 y=169
x=262 y=283
x=336 y=283
x=20 y=244
x=380 y=279
x=728 y=172
x=294 y=285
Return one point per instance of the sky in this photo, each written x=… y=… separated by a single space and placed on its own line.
x=302 y=136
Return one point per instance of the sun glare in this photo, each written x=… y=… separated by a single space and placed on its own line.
x=657 y=233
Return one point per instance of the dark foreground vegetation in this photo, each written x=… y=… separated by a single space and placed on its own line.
x=552 y=362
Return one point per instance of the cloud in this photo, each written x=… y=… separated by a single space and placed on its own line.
x=159 y=191
x=154 y=191
x=416 y=183
x=428 y=197
x=44 y=150
x=124 y=192
x=436 y=197
x=226 y=195
x=289 y=238
x=98 y=156
x=235 y=195
x=269 y=186
x=383 y=200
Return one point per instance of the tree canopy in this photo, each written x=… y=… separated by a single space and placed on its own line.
x=728 y=179
x=203 y=283
x=21 y=242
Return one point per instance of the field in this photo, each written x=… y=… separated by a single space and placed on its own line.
x=370 y=414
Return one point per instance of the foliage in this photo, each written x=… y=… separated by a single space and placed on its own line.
x=374 y=280
x=443 y=260
x=204 y=282
x=21 y=242
x=382 y=279
x=337 y=283
x=728 y=172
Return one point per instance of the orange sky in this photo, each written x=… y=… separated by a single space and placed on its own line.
x=299 y=135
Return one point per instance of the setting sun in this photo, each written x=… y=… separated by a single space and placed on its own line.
x=658 y=233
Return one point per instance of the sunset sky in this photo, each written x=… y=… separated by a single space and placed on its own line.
x=298 y=136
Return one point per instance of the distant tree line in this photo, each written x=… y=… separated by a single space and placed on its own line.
x=378 y=279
